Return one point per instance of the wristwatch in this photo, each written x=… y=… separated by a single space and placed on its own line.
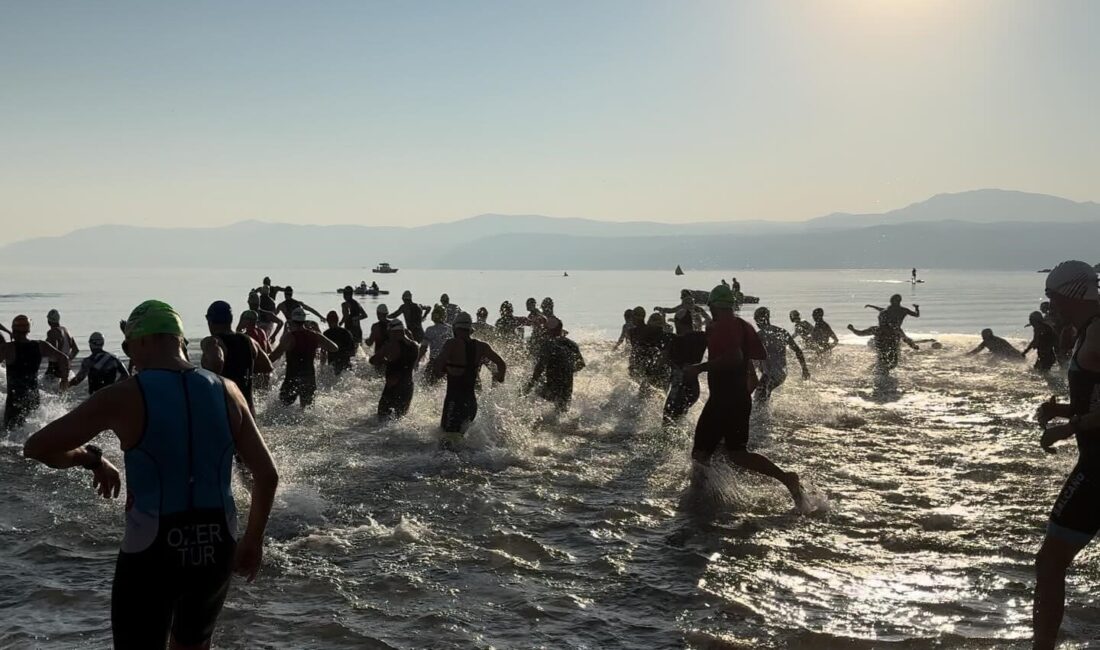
x=97 y=454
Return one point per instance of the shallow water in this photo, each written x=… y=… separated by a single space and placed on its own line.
x=929 y=491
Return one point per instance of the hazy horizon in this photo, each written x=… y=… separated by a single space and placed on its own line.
x=208 y=114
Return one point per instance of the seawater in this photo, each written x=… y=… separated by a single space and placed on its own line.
x=929 y=489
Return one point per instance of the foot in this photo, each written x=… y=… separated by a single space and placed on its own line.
x=790 y=479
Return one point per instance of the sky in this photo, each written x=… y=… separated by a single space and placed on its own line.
x=406 y=113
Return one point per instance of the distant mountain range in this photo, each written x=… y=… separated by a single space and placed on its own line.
x=989 y=229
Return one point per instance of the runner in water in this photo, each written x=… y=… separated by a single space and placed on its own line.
x=509 y=328
x=1043 y=341
x=894 y=314
x=414 y=316
x=1075 y=518
x=178 y=427
x=60 y=338
x=289 y=304
x=557 y=361
x=341 y=360
x=482 y=328
x=270 y=322
x=802 y=329
x=628 y=325
x=822 y=337
x=398 y=357
x=773 y=369
x=999 y=347
x=300 y=345
x=352 y=315
x=435 y=336
x=886 y=342
x=100 y=367
x=232 y=356
x=537 y=322
x=460 y=361
x=23 y=358
x=380 y=330
x=249 y=326
x=732 y=346
x=634 y=361
x=685 y=349
x=450 y=310
x=647 y=346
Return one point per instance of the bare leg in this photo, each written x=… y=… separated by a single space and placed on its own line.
x=763 y=465
x=1051 y=564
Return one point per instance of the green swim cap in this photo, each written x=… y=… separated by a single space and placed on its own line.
x=153 y=317
x=722 y=297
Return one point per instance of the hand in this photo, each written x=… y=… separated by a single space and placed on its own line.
x=106 y=480
x=1045 y=412
x=1055 y=434
x=248 y=558
x=851 y=327
x=916 y=307
x=498 y=377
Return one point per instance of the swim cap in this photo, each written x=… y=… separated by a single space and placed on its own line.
x=407 y=294
x=721 y=297
x=818 y=312
x=21 y=324
x=795 y=314
x=444 y=299
x=463 y=322
x=383 y=310
x=438 y=313
x=395 y=325
x=288 y=290
x=1034 y=316
x=249 y=315
x=219 y=313
x=656 y=320
x=987 y=332
x=298 y=315
x=1073 y=279
x=348 y=289
x=481 y=311
x=761 y=313
x=95 y=340
x=153 y=317
x=332 y=316
x=639 y=313
x=53 y=317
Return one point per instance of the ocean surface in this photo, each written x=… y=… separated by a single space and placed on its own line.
x=929 y=490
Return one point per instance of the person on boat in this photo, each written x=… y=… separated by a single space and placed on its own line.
x=1043 y=341
x=481 y=326
x=999 y=347
x=100 y=367
x=300 y=345
x=1075 y=517
x=179 y=428
x=773 y=369
x=397 y=358
x=231 y=355
x=822 y=337
x=270 y=322
x=438 y=333
x=59 y=337
x=289 y=304
x=685 y=349
x=557 y=361
x=459 y=361
x=374 y=286
x=509 y=328
x=648 y=344
x=414 y=315
x=450 y=310
x=352 y=315
x=339 y=361
x=732 y=346
x=22 y=357
x=379 y=330
x=802 y=329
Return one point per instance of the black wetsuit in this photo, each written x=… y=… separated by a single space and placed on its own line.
x=1076 y=513
x=414 y=319
x=1044 y=341
x=355 y=325
x=267 y=311
x=821 y=337
x=509 y=330
x=23 y=397
x=460 y=403
x=684 y=350
x=398 y=393
x=102 y=369
x=379 y=335
x=300 y=382
x=559 y=360
x=340 y=361
x=239 y=364
x=647 y=346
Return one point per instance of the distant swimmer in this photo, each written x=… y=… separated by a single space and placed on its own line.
x=438 y=333
x=557 y=361
x=732 y=346
x=914 y=276
x=379 y=330
x=414 y=315
x=1043 y=341
x=509 y=328
x=300 y=345
x=822 y=337
x=802 y=329
x=999 y=347
x=289 y=304
x=1075 y=517
x=23 y=357
x=59 y=337
x=179 y=428
x=460 y=361
x=397 y=357
x=100 y=367
x=232 y=356
x=450 y=310
x=352 y=315
x=339 y=361
x=776 y=340
x=685 y=349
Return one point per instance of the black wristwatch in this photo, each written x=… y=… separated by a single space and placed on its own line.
x=97 y=453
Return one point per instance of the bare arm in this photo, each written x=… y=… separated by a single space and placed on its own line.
x=265 y=479
x=213 y=356
x=261 y=363
x=313 y=311
x=490 y=354
x=798 y=354
x=872 y=307
x=870 y=331
x=441 y=361
x=981 y=346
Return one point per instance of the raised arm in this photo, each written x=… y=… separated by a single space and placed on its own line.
x=872 y=307
x=870 y=331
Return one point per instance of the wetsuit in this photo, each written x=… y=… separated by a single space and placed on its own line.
x=821 y=337
x=647 y=347
x=340 y=361
x=1044 y=341
x=174 y=567
x=379 y=335
x=435 y=336
x=460 y=403
x=239 y=364
x=102 y=369
x=451 y=312
x=1076 y=515
x=803 y=330
x=23 y=397
x=300 y=382
x=684 y=350
x=725 y=416
x=398 y=393
x=774 y=368
x=414 y=319
x=559 y=360
x=353 y=320
x=509 y=330
x=260 y=337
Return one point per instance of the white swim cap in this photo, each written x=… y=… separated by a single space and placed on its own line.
x=1073 y=279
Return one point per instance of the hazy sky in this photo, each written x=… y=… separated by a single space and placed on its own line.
x=204 y=113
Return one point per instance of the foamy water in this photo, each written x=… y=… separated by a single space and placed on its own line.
x=929 y=495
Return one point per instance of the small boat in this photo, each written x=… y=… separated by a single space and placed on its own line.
x=1045 y=270
x=366 y=291
x=384 y=267
x=679 y=271
x=701 y=297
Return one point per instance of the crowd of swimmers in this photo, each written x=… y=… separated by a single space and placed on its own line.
x=183 y=427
